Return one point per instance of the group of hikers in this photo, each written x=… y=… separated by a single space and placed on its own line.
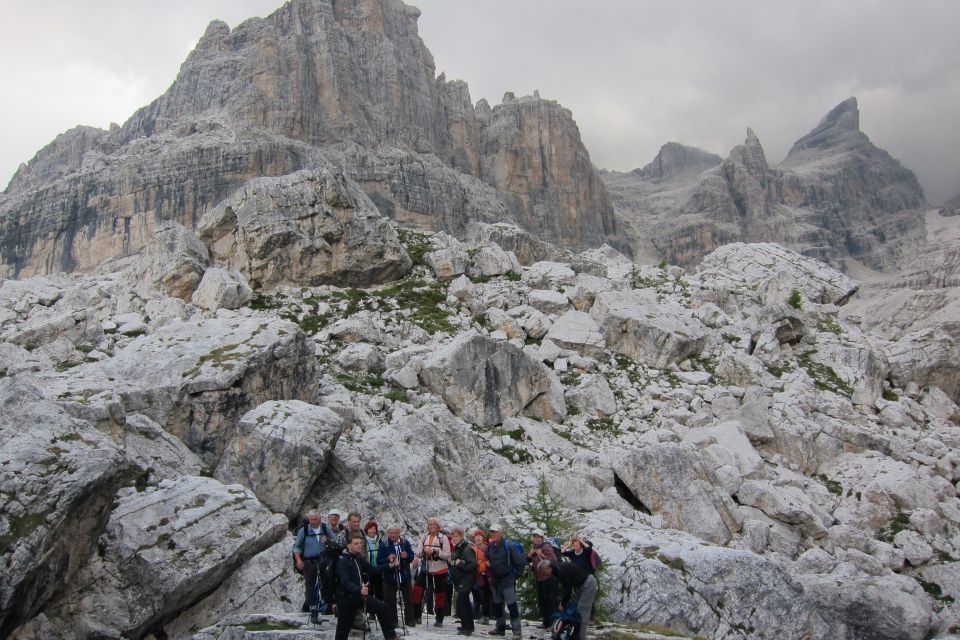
x=348 y=569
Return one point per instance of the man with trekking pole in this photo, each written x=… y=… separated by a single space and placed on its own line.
x=507 y=563
x=353 y=591
x=396 y=582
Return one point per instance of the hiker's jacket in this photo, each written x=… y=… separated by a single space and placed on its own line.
x=440 y=543
x=402 y=574
x=309 y=542
x=538 y=554
x=464 y=573
x=502 y=566
x=352 y=572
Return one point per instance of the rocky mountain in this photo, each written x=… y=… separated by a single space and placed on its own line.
x=951 y=207
x=836 y=195
x=317 y=81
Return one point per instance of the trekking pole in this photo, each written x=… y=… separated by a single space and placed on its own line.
x=365 y=623
x=401 y=603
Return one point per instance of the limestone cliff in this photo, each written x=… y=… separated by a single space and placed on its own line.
x=835 y=195
x=316 y=79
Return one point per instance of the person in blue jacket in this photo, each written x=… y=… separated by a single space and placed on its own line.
x=397 y=579
x=309 y=548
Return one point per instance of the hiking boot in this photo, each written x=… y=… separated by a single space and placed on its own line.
x=464 y=632
x=314 y=619
x=438 y=622
x=496 y=631
x=517 y=635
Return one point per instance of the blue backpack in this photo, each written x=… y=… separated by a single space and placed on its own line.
x=566 y=624
x=518 y=567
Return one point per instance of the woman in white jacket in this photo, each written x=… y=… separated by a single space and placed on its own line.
x=432 y=572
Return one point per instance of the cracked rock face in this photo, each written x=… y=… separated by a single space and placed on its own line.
x=509 y=383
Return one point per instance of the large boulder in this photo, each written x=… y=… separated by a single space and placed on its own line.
x=266 y=582
x=172 y=262
x=165 y=549
x=677 y=582
x=59 y=477
x=222 y=289
x=485 y=381
x=577 y=330
x=307 y=228
x=639 y=326
x=928 y=357
x=196 y=378
x=280 y=450
x=671 y=480
x=768 y=273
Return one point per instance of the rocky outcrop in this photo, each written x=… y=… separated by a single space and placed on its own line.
x=59 y=477
x=315 y=82
x=306 y=228
x=835 y=195
x=951 y=207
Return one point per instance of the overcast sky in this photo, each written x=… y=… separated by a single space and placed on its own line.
x=635 y=73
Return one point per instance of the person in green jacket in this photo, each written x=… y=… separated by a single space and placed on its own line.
x=463 y=571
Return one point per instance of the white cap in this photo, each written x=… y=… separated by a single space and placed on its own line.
x=495 y=527
x=537 y=532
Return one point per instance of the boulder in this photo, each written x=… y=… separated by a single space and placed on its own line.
x=490 y=260
x=485 y=381
x=787 y=504
x=222 y=289
x=264 y=583
x=577 y=331
x=640 y=327
x=172 y=262
x=59 y=477
x=447 y=263
x=548 y=301
x=164 y=549
x=768 y=274
x=889 y=606
x=308 y=228
x=928 y=357
x=159 y=455
x=592 y=396
x=280 y=450
x=196 y=378
x=672 y=481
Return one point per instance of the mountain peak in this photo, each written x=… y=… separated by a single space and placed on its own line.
x=839 y=129
x=679 y=160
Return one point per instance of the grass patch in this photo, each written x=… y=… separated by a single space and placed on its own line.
x=899 y=523
x=263 y=302
x=890 y=395
x=934 y=591
x=396 y=395
x=571 y=378
x=424 y=299
x=515 y=455
x=360 y=384
x=604 y=425
x=20 y=528
x=832 y=485
x=416 y=244
x=824 y=377
x=777 y=370
x=829 y=324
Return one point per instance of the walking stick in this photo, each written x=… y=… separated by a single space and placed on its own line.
x=401 y=603
x=365 y=623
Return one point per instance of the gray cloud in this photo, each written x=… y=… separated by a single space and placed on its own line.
x=635 y=73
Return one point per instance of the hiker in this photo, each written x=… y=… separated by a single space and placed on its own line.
x=353 y=527
x=353 y=592
x=577 y=581
x=372 y=538
x=432 y=553
x=309 y=549
x=333 y=522
x=505 y=563
x=481 y=588
x=580 y=551
x=463 y=574
x=398 y=578
x=546 y=582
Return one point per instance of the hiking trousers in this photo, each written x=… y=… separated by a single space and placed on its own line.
x=347 y=613
x=588 y=591
x=504 y=592
x=390 y=591
x=311 y=584
x=547 y=599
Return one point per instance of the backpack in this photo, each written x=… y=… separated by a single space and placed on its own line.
x=555 y=545
x=304 y=523
x=595 y=559
x=517 y=568
x=566 y=626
